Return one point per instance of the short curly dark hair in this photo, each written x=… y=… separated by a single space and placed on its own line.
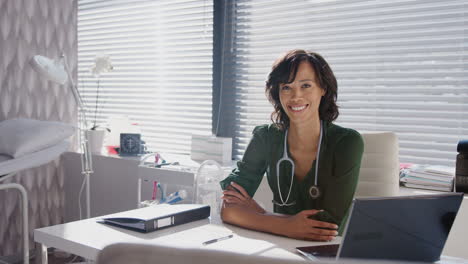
x=284 y=71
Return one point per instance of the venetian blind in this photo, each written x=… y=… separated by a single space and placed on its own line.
x=161 y=52
x=401 y=66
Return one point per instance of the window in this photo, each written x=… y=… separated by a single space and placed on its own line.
x=401 y=66
x=162 y=57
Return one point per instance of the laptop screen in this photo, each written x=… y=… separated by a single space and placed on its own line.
x=400 y=228
x=413 y=228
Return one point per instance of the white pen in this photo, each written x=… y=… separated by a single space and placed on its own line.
x=217 y=239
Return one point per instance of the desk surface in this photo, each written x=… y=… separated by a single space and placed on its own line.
x=87 y=237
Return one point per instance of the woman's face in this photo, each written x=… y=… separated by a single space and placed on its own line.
x=301 y=98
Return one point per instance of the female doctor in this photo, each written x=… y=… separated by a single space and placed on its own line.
x=312 y=165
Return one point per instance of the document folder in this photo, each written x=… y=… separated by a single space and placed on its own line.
x=157 y=217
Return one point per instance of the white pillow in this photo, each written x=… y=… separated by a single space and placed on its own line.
x=21 y=136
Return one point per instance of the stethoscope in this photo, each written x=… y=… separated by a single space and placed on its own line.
x=314 y=190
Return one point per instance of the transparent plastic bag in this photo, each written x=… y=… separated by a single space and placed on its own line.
x=207 y=188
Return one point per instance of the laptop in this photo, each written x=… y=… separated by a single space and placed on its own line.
x=410 y=228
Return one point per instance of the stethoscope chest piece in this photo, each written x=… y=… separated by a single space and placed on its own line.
x=314 y=192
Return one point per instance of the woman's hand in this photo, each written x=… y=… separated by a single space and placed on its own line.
x=236 y=195
x=300 y=226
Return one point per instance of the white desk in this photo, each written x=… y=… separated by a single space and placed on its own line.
x=122 y=196
x=87 y=237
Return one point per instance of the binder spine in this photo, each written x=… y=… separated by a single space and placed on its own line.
x=178 y=219
x=161 y=222
x=150 y=225
x=193 y=215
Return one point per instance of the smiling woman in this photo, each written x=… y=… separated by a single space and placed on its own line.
x=312 y=165
x=301 y=97
x=314 y=72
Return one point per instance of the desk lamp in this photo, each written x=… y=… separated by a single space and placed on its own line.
x=59 y=72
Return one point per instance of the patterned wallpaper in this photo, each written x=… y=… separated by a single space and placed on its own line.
x=27 y=28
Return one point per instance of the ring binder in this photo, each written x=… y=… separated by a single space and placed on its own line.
x=157 y=217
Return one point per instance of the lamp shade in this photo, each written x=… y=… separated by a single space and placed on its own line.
x=52 y=70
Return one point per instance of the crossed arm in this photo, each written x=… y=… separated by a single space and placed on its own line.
x=240 y=209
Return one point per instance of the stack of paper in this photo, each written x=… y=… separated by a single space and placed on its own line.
x=429 y=177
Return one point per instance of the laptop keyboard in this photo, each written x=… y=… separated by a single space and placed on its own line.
x=329 y=251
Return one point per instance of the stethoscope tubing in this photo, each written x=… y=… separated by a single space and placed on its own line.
x=293 y=166
x=285 y=157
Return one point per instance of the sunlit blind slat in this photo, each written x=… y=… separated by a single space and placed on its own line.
x=401 y=66
x=162 y=57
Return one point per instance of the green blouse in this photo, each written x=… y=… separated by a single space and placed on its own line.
x=340 y=161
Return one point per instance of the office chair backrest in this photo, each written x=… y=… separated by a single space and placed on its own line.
x=379 y=175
